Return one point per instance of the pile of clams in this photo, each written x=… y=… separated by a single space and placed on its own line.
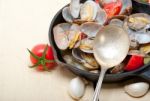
x=84 y=20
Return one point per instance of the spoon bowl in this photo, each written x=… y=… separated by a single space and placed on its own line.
x=111 y=46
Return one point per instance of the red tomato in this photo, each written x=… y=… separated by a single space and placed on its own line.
x=42 y=57
x=97 y=1
x=134 y=63
x=113 y=8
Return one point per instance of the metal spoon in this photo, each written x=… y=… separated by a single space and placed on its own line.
x=111 y=46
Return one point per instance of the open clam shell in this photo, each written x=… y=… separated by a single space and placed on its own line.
x=91 y=63
x=63 y=27
x=137 y=26
x=126 y=7
x=86 y=45
x=145 y=48
x=101 y=17
x=75 y=8
x=87 y=60
x=73 y=37
x=138 y=21
x=90 y=28
x=88 y=11
x=67 y=14
x=76 y=53
x=60 y=35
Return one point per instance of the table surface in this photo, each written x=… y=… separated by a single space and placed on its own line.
x=23 y=24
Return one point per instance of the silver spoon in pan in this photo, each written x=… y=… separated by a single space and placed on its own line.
x=111 y=46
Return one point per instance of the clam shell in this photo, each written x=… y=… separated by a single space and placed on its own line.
x=138 y=34
x=61 y=40
x=101 y=17
x=88 y=11
x=60 y=36
x=73 y=37
x=145 y=48
x=91 y=63
x=87 y=60
x=63 y=27
x=76 y=53
x=67 y=15
x=90 y=28
x=75 y=8
x=86 y=45
x=126 y=7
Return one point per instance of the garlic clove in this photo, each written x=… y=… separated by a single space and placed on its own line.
x=137 y=89
x=76 y=88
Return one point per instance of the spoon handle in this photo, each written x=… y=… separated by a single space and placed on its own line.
x=98 y=86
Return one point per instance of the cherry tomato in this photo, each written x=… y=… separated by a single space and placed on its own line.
x=113 y=8
x=134 y=63
x=97 y=1
x=42 y=57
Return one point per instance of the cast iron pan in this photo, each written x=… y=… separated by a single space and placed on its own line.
x=141 y=7
x=143 y=72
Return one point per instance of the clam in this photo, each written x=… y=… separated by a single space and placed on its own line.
x=101 y=17
x=69 y=60
x=60 y=35
x=145 y=48
x=90 y=28
x=67 y=15
x=75 y=8
x=63 y=27
x=91 y=63
x=134 y=45
x=87 y=60
x=76 y=53
x=88 y=11
x=73 y=37
x=126 y=7
x=66 y=35
x=137 y=26
x=86 y=45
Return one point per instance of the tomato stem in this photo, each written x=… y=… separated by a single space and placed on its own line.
x=41 y=60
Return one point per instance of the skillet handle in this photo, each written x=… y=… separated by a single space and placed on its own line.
x=146 y=74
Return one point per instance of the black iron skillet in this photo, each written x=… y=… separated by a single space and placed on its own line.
x=143 y=72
